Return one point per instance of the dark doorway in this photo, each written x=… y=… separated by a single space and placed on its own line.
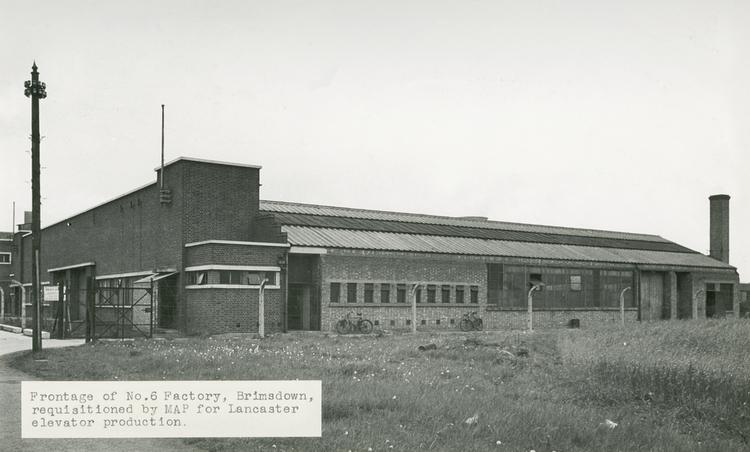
x=710 y=304
x=167 y=302
x=303 y=298
x=303 y=311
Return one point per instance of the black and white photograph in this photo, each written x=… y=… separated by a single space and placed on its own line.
x=360 y=226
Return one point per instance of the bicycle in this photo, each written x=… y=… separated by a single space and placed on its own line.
x=471 y=322
x=347 y=325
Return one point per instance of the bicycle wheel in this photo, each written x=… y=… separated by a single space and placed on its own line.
x=465 y=325
x=478 y=324
x=342 y=326
x=365 y=326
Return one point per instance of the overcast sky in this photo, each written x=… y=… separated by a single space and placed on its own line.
x=597 y=114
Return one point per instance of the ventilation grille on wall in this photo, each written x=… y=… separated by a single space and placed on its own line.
x=165 y=196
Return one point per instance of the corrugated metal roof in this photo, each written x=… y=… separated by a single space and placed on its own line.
x=361 y=224
x=310 y=209
x=387 y=241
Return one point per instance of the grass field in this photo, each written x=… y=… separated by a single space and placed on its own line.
x=672 y=386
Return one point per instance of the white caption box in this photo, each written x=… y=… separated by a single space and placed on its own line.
x=168 y=409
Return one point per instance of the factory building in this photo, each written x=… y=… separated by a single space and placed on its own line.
x=188 y=253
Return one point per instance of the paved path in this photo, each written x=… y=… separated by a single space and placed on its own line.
x=10 y=412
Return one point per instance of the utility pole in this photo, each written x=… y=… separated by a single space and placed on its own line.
x=35 y=90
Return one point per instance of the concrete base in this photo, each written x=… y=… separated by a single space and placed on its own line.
x=29 y=332
x=11 y=328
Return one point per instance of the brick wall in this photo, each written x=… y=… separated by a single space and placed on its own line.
x=365 y=267
x=212 y=310
x=390 y=268
x=223 y=310
x=220 y=201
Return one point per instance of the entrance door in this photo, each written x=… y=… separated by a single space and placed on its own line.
x=167 y=304
x=295 y=307
x=710 y=304
x=303 y=309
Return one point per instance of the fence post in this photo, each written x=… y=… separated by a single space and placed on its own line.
x=529 y=307
x=261 y=308
x=622 y=305
x=90 y=310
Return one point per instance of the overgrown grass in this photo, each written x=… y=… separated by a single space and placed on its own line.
x=670 y=386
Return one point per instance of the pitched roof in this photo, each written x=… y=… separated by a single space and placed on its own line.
x=337 y=227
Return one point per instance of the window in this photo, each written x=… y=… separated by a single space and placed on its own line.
x=475 y=294
x=369 y=293
x=494 y=283
x=232 y=278
x=575 y=283
x=419 y=295
x=445 y=294
x=351 y=292
x=459 y=294
x=385 y=293
x=401 y=293
x=335 y=292
x=431 y=294
x=4 y=258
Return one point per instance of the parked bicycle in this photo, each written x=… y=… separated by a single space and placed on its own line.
x=471 y=322
x=348 y=325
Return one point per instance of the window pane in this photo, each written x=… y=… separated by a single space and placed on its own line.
x=351 y=292
x=459 y=294
x=385 y=293
x=430 y=294
x=401 y=293
x=446 y=294
x=475 y=294
x=369 y=295
x=335 y=292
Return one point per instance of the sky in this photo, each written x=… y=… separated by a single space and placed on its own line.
x=609 y=115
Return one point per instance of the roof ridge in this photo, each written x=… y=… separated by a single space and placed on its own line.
x=470 y=220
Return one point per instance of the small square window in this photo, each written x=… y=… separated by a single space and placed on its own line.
x=424 y=322
x=376 y=322
x=453 y=321
x=4 y=258
x=437 y=322
x=408 y=322
x=393 y=323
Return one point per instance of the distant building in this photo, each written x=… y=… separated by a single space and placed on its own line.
x=206 y=240
x=6 y=257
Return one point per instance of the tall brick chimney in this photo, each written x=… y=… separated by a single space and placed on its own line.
x=719 y=227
